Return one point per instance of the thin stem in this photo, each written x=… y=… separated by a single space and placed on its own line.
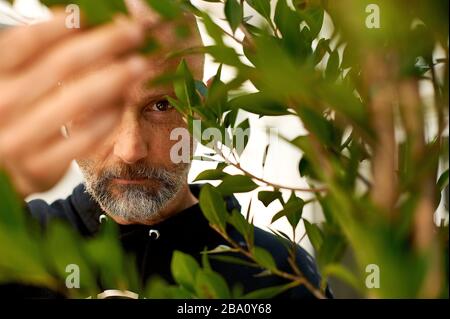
x=276 y=186
x=295 y=278
x=291 y=258
x=233 y=37
x=347 y=142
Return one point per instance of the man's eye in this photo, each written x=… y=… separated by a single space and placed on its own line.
x=161 y=106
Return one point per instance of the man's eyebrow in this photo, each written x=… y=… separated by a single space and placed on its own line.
x=152 y=94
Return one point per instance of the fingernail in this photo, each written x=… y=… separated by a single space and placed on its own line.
x=137 y=65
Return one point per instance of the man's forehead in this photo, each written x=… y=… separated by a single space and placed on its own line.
x=160 y=65
x=142 y=94
x=145 y=89
x=168 y=42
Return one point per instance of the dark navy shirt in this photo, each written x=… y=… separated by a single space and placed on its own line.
x=189 y=232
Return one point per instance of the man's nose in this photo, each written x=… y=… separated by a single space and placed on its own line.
x=130 y=146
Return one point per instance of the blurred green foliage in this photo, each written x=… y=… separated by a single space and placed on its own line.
x=337 y=86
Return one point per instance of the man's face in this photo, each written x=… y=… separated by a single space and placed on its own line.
x=132 y=176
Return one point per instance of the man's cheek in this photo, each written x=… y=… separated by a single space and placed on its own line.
x=176 y=145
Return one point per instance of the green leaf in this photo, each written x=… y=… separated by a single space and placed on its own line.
x=287 y=20
x=105 y=252
x=232 y=260
x=296 y=43
x=210 y=174
x=331 y=249
x=63 y=248
x=263 y=258
x=261 y=6
x=276 y=70
x=213 y=206
x=332 y=70
x=267 y=293
x=100 y=11
x=224 y=55
x=266 y=152
x=253 y=30
x=217 y=96
x=241 y=136
x=237 y=220
x=317 y=124
x=185 y=89
x=158 y=288
x=220 y=249
x=259 y=103
x=167 y=8
x=314 y=18
x=221 y=166
x=95 y=12
x=210 y=285
x=281 y=235
x=230 y=118
x=342 y=273
x=348 y=57
x=184 y=269
x=303 y=142
x=234 y=13
x=314 y=234
x=11 y=212
x=51 y=3
x=264 y=273
x=236 y=184
x=21 y=259
x=237 y=291
x=306 y=169
x=323 y=46
x=205 y=259
x=343 y=101
x=214 y=31
x=267 y=197
x=292 y=210
x=443 y=180
x=180 y=107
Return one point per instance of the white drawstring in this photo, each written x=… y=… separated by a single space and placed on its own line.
x=102 y=218
x=154 y=234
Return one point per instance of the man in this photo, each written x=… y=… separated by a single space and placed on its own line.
x=118 y=129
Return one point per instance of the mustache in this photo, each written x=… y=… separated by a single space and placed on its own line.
x=135 y=171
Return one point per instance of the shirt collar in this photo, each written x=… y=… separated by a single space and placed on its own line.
x=90 y=213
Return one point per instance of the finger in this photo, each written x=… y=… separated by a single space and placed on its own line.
x=164 y=31
x=46 y=167
x=99 y=89
x=142 y=13
x=20 y=44
x=69 y=57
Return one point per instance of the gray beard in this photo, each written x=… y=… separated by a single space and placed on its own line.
x=133 y=203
